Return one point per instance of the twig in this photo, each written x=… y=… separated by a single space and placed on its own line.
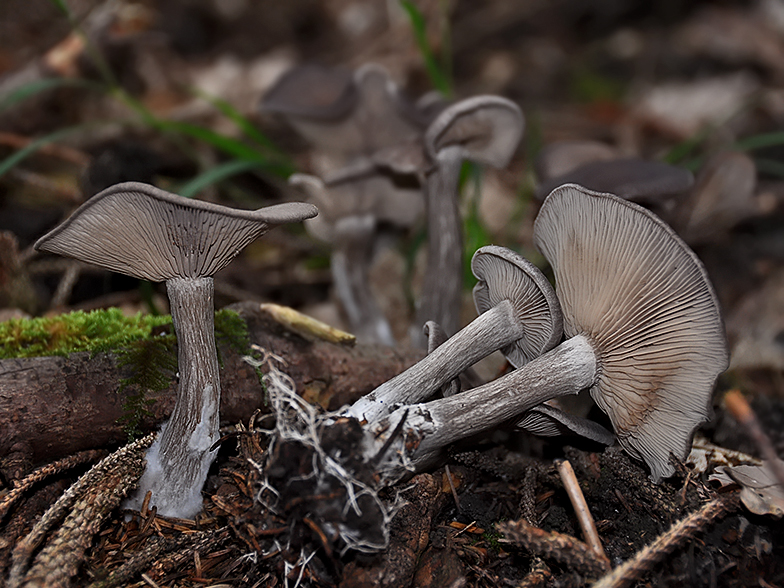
x=580 y=506
x=743 y=413
x=633 y=569
x=562 y=548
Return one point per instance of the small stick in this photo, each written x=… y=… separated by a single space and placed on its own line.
x=452 y=487
x=743 y=413
x=587 y=525
x=633 y=569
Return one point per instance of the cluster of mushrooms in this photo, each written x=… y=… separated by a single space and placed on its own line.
x=633 y=317
x=386 y=161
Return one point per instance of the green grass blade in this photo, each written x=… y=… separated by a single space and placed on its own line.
x=229 y=146
x=437 y=76
x=241 y=121
x=31 y=89
x=215 y=175
x=761 y=141
x=12 y=160
x=61 y=6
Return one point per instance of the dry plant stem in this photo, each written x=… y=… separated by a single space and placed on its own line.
x=443 y=282
x=44 y=472
x=90 y=499
x=744 y=414
x=645 y=559
x=567 y=369
x=562 y=548
x=577 y=498
x=488 y=332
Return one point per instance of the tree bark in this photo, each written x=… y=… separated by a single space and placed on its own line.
x=60 y=405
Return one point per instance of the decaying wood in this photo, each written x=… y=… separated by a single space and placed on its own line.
x=61 y=405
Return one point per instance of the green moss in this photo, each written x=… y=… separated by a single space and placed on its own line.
x=145 y=344
x=95 y=331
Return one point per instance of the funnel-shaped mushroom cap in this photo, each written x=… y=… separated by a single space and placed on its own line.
x=313 y=91
x=643 y=299
x=488 y=128
x=363 y=194
x=505 y=275
x=631 y=178
x=144 y=232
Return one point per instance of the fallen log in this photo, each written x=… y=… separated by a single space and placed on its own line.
x=56 y=406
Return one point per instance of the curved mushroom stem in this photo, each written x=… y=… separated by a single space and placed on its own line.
x=179 y=459
x=567 y=369
x=489 y=332
x=350 y=266
x=443 y=283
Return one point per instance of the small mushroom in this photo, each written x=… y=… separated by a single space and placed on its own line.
x=144 y=232
x=645 y=335
x=635 y=179
x=562 y=157
x=483 y=129
x=519 y=313
x=342 y=112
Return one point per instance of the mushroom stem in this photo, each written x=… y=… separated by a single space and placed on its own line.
x=443 y=283
x=489 y=332
x=567 y=369
x=350 y=265
x=177 y=470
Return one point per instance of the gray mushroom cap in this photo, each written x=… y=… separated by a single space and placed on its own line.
x=562 y=157
x=487 y=129
x=545 y=420
x=364 y=192
x=722 y=197
x=148 y=233
x=643 y=299
x=353 y=113
x=536 y=305
x=313 y=91
x=630 y=178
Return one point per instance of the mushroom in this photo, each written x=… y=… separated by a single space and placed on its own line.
x=722 y=197
x=546 y=420
x=561 y=157
x=144 y=232
x=355 y=205
x=436 y=336
x=635 y=179
x=519 y=314
x=483 y=129
x=340 y=112
x=645 y=335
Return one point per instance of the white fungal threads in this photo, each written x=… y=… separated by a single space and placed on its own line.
x=299 y=422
